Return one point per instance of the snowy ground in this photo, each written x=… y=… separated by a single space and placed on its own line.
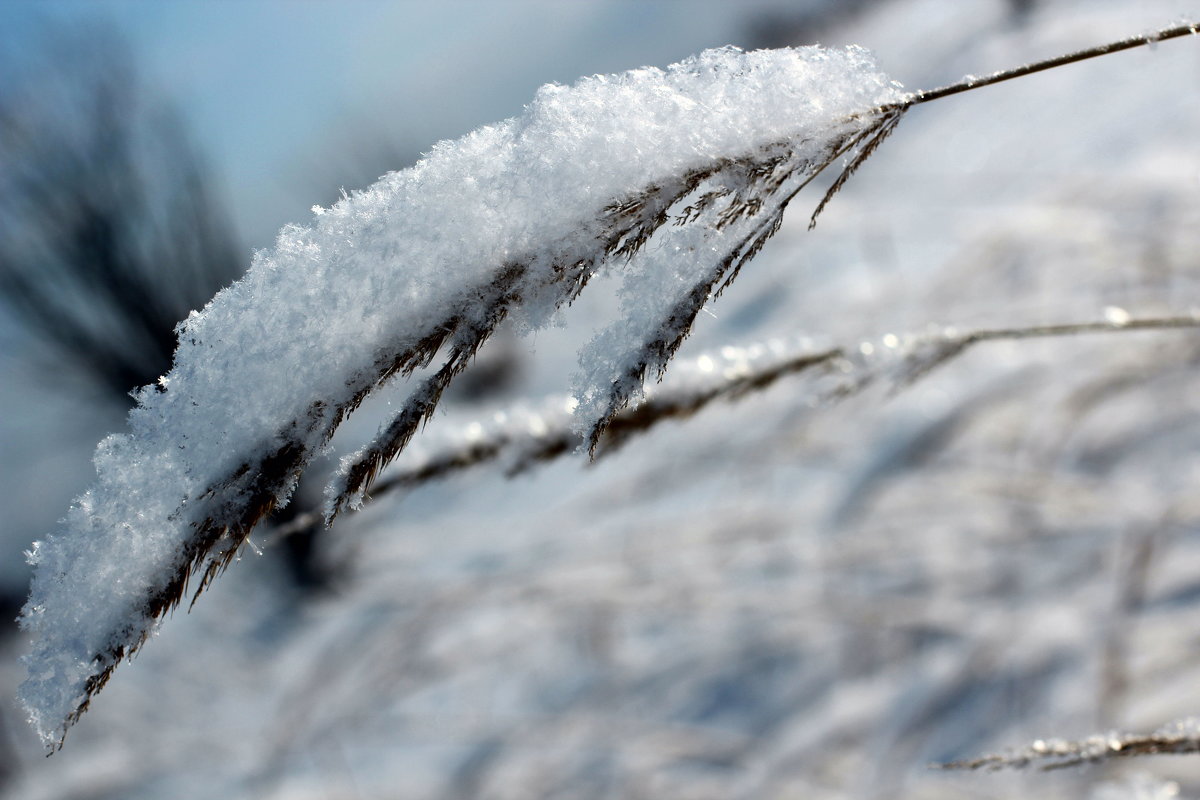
x=770 y=599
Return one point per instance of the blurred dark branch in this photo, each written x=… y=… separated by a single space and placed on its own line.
x=108 y=232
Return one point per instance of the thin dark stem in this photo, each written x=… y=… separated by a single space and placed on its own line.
x=1188 y=29
x=886 y=117
x=1041 y=331
x=955 y=344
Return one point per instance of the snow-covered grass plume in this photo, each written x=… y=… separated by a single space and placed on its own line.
x=675 y=176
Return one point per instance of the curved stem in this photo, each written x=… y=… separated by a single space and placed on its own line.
x=966 y=85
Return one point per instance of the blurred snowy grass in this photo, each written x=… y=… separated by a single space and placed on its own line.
x=692 y=617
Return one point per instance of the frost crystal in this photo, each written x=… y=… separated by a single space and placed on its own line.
x=675 y=176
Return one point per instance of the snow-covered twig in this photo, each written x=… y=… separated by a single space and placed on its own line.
x=1048 y=754
x=933 y=351
x=523 y=439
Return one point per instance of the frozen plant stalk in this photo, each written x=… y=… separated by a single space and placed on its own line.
x=512 y=219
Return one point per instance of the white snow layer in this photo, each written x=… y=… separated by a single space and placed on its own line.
x=374 y=273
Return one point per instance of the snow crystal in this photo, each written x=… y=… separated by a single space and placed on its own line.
x=263 y=366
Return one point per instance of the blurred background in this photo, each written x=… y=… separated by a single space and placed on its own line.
x=769 y=600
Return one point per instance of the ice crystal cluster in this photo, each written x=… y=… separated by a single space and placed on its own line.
x=674 y=177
